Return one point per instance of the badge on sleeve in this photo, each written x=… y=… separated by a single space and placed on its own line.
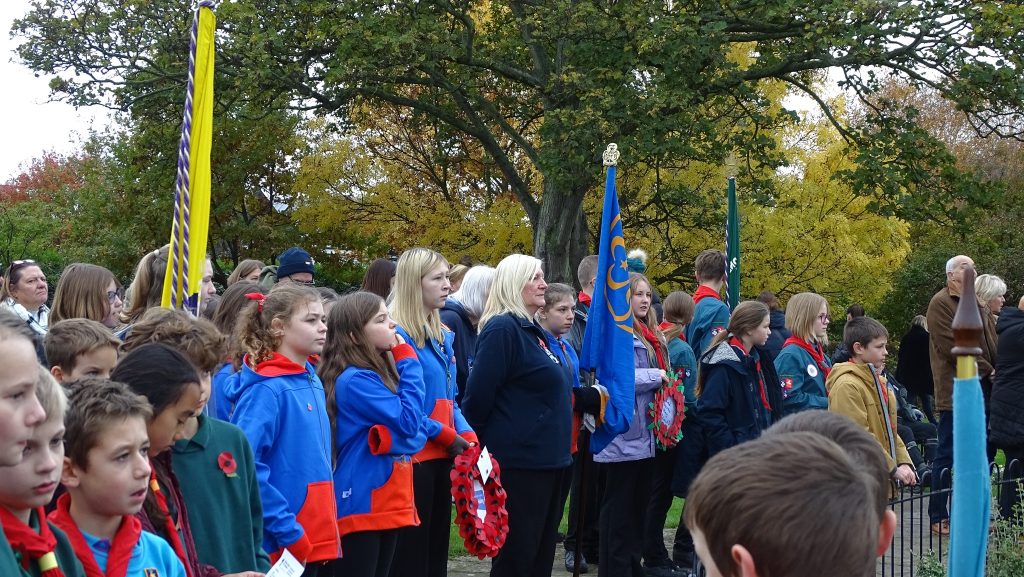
x=151 y=572
x=716 y=330
x=787 y=386
x=812 y=370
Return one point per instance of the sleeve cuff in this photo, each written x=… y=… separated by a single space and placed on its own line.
x=471 y=437
x=403 y=351
x=300 y=549
x=446 y=437
x=379 y=440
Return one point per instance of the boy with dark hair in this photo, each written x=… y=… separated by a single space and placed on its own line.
x=810 y=510
x=710 y=314
x=106 y=472
x=77 y=348
x=25 y=488
x=858 y=390
x=212 y=469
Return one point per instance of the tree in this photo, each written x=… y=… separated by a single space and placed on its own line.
x=550 y=83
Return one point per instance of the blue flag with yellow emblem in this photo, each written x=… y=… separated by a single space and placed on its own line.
x=608 y=341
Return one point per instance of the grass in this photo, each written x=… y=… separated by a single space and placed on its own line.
x=456 y=548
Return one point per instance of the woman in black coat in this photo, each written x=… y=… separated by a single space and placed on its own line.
x=1006 y=424
x=914 y=369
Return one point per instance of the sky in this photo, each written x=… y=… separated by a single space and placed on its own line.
x=32 y=124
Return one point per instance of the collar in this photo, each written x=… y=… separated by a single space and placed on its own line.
x=198 y=441
x=279 y=365
x=703 y=292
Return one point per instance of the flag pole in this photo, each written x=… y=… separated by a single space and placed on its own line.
x=732 y=239
x=970 y=511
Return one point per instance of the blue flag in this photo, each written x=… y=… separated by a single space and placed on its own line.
x=608 y=341
x=969 y=515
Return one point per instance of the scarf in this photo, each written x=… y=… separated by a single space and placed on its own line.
x=655 y=343
x=170 y=525
x=37 y=321
x=120 y=547
x=39 y=547
x=757 y=367
x=584 y=298
x=704 y=292
x=814 y=350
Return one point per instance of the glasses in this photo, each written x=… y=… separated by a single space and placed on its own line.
x=115 y=294
x=824 y=318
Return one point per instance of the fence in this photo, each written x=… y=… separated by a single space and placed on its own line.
x=914 y=537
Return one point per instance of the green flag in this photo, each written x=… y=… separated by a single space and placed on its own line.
x=732 y=248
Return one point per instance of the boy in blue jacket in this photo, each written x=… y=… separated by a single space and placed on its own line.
x=710 y=314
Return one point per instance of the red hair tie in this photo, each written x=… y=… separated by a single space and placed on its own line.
x=260 y=298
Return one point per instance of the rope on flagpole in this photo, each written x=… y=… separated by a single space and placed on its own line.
x=182 y=198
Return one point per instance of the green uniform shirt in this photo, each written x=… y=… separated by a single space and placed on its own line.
x=224 y=508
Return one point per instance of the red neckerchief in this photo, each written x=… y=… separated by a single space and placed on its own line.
x=704 y=292
x=120 y=547
x=757 y=366
x=665 y=325
x=652 y=338
x=32 y=546
x=815 y=351
x=584 y=298
x=171 y=525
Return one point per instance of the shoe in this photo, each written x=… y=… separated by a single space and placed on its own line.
x=941 y=528
x=669 y=569
x=571 y=560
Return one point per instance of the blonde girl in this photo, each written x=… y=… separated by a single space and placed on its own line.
x=802 y=364
x=87 y=291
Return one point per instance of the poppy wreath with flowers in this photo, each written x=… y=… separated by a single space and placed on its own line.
x=667 y=411
x=482 y=537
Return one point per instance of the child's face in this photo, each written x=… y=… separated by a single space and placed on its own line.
x=31 y=483
x=640 y=300
x=96 y=363
x=759 y=336
x=821 y=322
x=115 y=306
x=436 y=286
x=874 y=352
x=169 y=426
x=305 y=331
x=558 y=317
x=20 y=411
x=117 y=477
x=380 y=331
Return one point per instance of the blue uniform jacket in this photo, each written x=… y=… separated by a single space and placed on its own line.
x=710 y=317
x=730 y=406
x=439 y=388
x=282 y=410
x=803 y=383
x=519 y=397
x=377 y=433
x=224 y=379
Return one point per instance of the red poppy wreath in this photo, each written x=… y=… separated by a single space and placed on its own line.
x=666 y=412
x=479 y=506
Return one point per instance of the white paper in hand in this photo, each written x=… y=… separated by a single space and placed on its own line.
x=286 y=566
x=484 y=464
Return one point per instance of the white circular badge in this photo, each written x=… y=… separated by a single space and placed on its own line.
x=812 y=370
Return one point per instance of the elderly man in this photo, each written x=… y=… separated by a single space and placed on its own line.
x=941 y=310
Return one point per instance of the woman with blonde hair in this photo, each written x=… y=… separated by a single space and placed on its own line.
x=420 y=290
x=87 y=291
x=991 y=291
x=802 y=365
x=519 y=400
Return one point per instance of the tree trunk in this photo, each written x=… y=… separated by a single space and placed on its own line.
x=560 y=236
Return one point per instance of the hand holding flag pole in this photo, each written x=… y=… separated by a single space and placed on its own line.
x=969 y=514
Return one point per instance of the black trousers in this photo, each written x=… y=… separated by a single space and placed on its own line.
x=655 y=553
x=1009 y=496
x=626 y=494
x=587 y=542
x=423 y=551
x=534 y=508
x=366 y=554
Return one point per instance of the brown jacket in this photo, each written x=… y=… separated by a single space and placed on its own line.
x=941 y=310
x=852 y=392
